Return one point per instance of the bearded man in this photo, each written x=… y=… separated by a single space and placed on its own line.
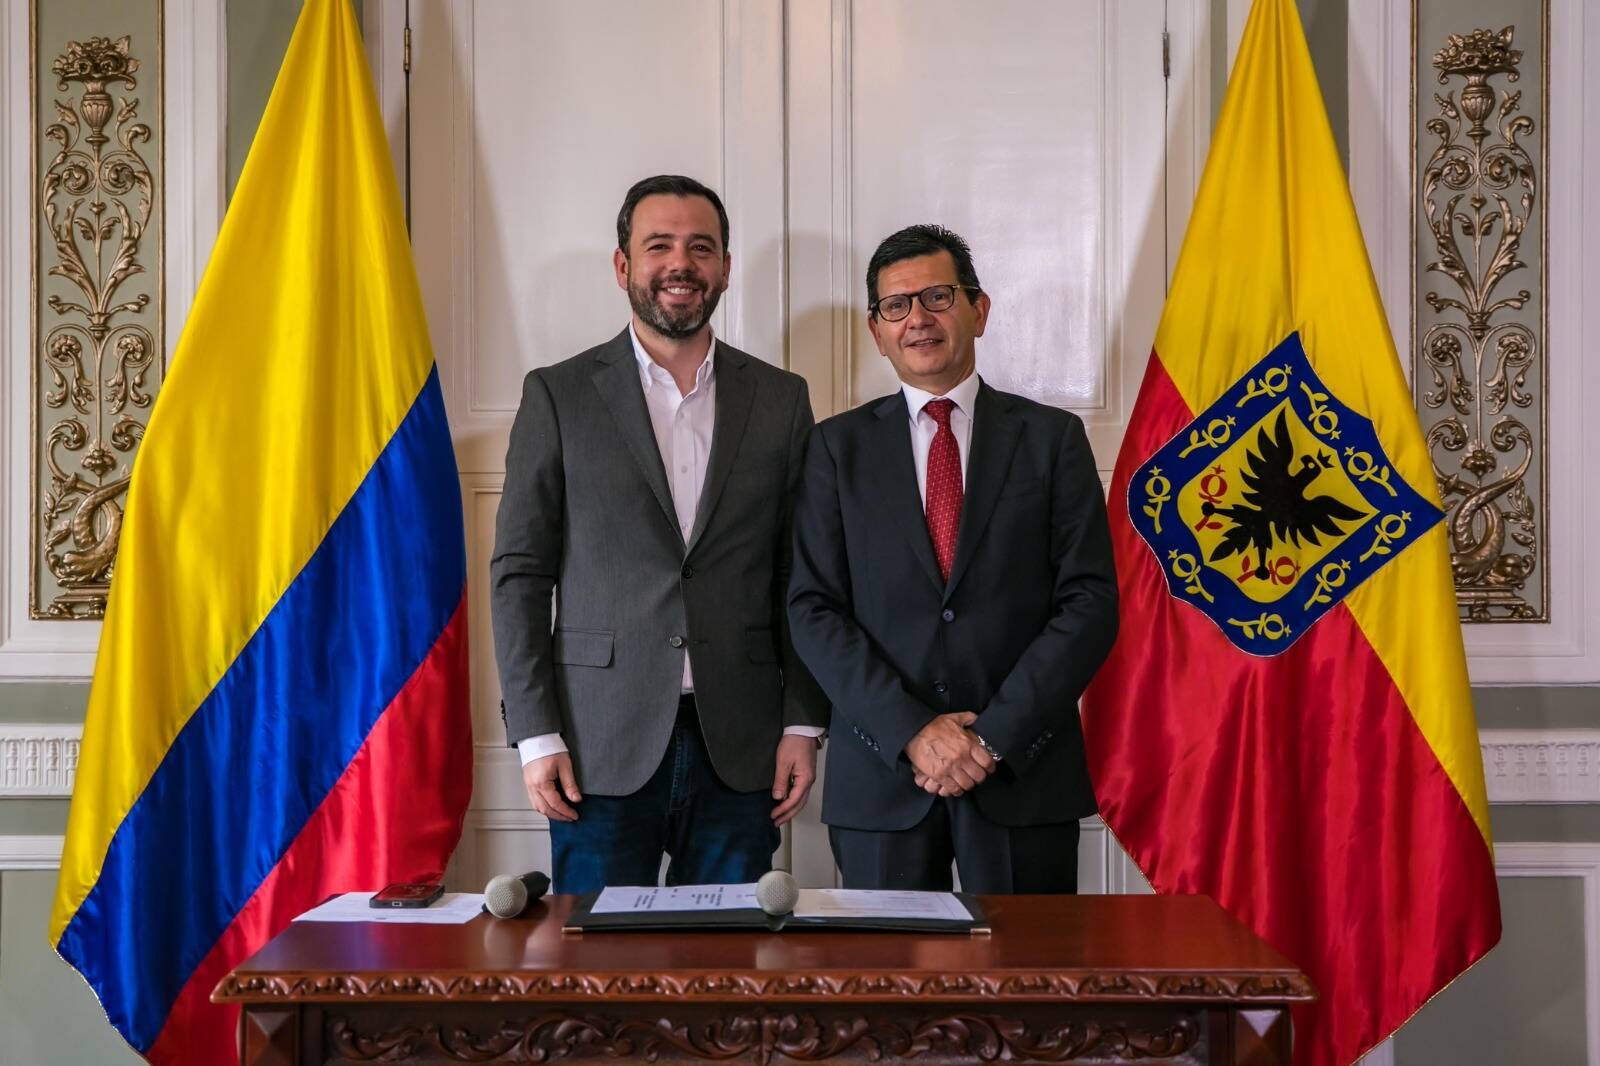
x=655 y=697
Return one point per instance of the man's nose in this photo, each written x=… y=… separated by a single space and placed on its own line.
x=678 y=259
x=919 y=316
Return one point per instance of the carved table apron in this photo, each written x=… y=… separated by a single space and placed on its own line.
x=1061 y=979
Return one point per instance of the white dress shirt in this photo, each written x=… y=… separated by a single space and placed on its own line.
x=683 y=423
x=923 y=427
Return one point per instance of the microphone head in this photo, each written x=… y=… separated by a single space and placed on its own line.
x=505 y=896
x=777 y=892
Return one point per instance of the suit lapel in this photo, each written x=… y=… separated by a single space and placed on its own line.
x=735 y=394
x=896 y=475
x=995 y=431
x=616 y=375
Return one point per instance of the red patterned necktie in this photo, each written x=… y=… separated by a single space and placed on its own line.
x=944 y=486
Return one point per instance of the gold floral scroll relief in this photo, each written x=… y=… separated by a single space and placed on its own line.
x=98 y=349
x=1479 y=337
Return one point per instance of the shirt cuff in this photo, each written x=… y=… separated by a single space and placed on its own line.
x=815 y=732
x=545 y=744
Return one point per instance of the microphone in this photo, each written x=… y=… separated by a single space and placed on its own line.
x=509 y=895
x=777 y=892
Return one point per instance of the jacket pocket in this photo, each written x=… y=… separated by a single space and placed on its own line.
x=580 y=647
x=761 y=645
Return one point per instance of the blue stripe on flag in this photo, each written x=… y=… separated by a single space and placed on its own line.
x=268 y=743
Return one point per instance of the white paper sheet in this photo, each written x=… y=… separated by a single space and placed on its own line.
x=452 y=908
x=618 y=900
x=859 y=903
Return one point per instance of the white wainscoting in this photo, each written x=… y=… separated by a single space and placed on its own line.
x=1520 y=766
x=1581 y=861
x=1542 y=766
x=30 y=852
x=38 y=760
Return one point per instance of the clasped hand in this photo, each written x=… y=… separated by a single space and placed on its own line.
x=947 y=757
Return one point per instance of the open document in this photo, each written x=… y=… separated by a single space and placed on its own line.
x=735 y=907
x=633 y=899
x=860 y=903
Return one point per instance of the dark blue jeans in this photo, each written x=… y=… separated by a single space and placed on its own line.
x=712 y=834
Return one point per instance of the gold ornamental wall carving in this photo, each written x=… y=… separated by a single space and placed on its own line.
x=98 y=348
x=1478 y=336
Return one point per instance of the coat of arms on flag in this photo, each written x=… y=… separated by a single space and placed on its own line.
x=1285 y=723
x=1274 y=504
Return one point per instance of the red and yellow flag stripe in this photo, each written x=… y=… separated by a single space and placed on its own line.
x=1332 y=796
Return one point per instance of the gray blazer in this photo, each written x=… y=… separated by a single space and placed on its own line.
x=587 y=513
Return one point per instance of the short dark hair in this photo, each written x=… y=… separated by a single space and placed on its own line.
x=665 y=185
x=915 y=241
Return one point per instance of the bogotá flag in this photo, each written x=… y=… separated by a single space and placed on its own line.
x=1285 y=723
x=279 y=707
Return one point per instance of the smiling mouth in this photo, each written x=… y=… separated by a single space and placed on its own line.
x=925 y=343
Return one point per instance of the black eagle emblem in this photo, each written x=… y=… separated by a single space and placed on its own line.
x=1275 y=505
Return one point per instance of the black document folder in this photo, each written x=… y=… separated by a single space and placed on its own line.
x=749 y=919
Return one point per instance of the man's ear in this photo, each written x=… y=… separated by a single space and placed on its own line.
x=619 y=262
x=981 y=306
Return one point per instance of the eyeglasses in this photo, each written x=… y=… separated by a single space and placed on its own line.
x=933 y=298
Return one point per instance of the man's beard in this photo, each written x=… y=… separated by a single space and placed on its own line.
x=674 y=325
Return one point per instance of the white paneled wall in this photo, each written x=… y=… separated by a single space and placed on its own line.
x=1035 y=129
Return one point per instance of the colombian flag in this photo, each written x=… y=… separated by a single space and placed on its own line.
x=279 y=707
x=1285 y=723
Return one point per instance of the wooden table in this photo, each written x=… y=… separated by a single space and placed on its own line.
x=1061 y=979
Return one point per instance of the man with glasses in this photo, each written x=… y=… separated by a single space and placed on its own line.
x=661 y=710
x=953 y=594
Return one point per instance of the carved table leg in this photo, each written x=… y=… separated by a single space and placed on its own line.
x=1251 y=1037
x=269 y=1036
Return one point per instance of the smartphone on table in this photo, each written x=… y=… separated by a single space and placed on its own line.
x=407 y=894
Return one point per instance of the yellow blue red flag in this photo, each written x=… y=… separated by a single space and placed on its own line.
x=1285 y=723
x=279 y=706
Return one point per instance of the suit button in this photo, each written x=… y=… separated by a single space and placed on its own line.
x=948 y=615
x=940 y=687
x=688 y=571
x=675 y=640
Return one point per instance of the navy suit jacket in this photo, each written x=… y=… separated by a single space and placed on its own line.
x=1028 y=615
